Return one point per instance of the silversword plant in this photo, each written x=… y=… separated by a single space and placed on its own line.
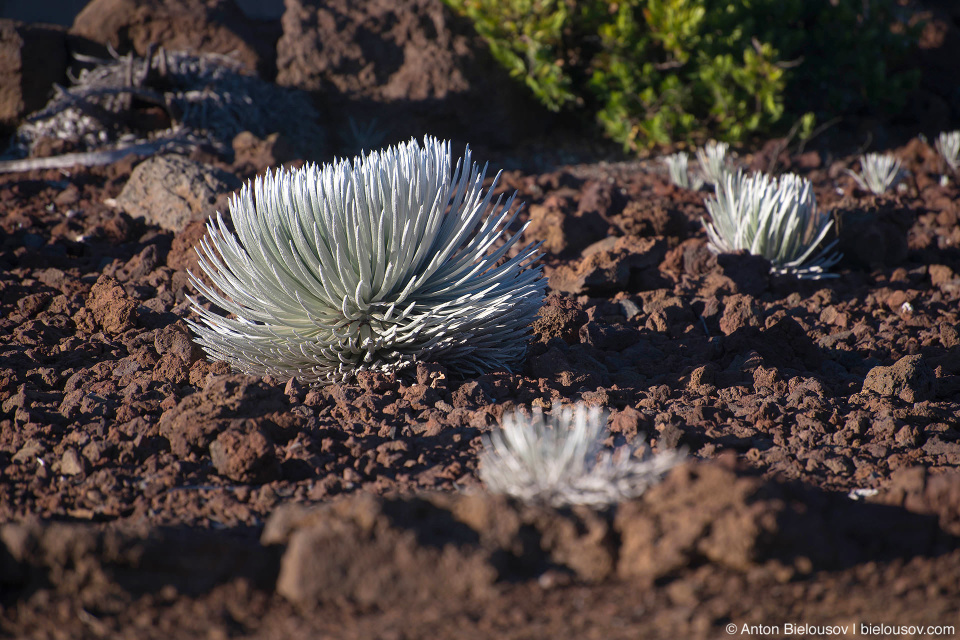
x=948 y=145
x=776 y=218
x=713 y=161
x=561 y=461
x=878 y=172
x=678 y=167
x=367 y=264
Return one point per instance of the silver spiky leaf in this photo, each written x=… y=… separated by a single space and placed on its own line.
x=369 y=264
x=878 y=172
x=678 y=170
x=774 y=218
x=713 y=161
x=948 y=145
x=562 y=462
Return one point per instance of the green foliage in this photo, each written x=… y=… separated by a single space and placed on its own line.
x=656 y=71
x=527 y=38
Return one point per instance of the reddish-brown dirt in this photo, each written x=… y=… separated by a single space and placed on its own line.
x=146 y=492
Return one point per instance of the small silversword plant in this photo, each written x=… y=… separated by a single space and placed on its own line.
x=713 y=161
x=562 y=462
x=776 y=218
x=948 y=145
x=878 y=172
x=679 y=171
x=369 y=264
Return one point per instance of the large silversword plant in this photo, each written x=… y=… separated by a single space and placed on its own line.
x=368 y=264
x=776 y=218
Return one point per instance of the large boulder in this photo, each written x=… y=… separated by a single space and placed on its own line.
x=399 y=69
x=32 y=58
x=171 y=191
x=216 y=26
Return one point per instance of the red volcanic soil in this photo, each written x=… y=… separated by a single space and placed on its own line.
x=146 y=492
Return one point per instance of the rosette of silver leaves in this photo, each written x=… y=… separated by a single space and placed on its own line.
x=368 y=264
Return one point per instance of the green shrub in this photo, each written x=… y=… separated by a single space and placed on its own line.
x=655 y=71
